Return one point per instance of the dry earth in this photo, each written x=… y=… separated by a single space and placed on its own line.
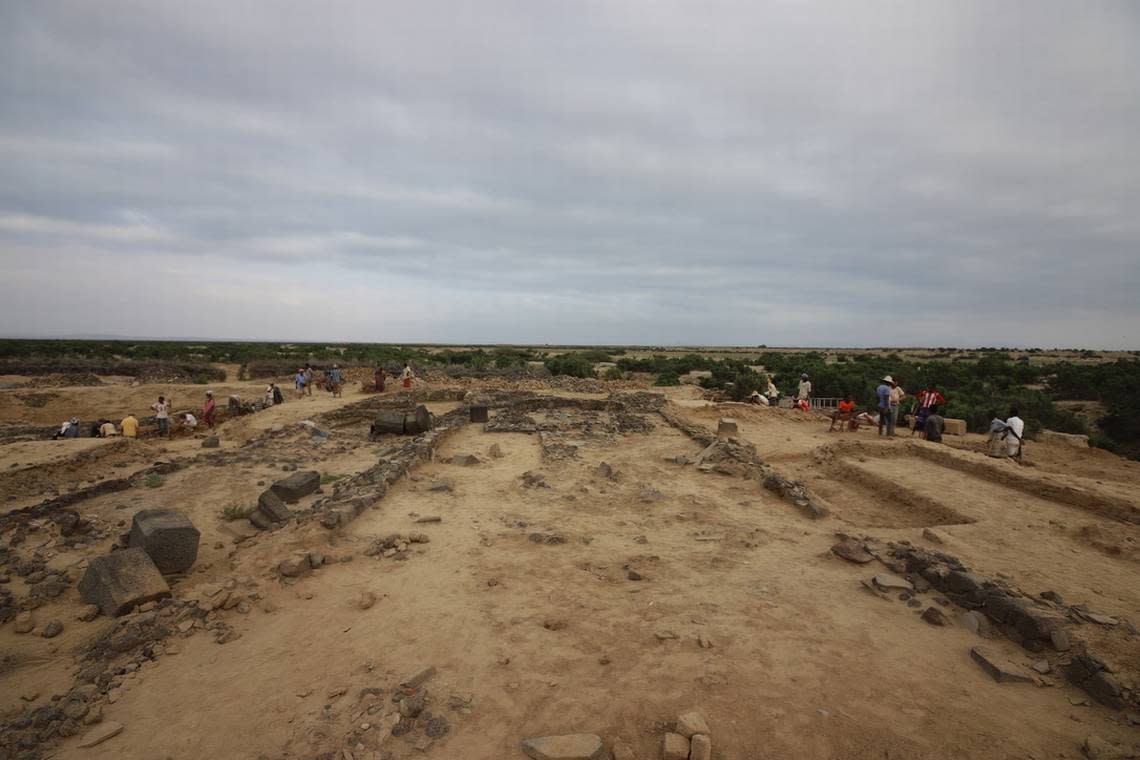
x=522 y=600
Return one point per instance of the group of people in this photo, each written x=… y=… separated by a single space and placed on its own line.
x=333 y=381
x=129 y=426
x=771 y=395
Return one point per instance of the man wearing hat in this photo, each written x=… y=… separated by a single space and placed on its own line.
x=883 y=394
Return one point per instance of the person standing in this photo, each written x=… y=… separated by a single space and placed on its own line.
x=378 y=377
x=805 y=389
x=209 y=409
x=299 y=382
x=269 y=401
x=926 y=400
x=130 y=426
x=333 y=380
x=883 y=396
x=407 y=376
x=162 y=414
x=278 y=396
x=773 y=393
x=308 y=373
x=897 y=395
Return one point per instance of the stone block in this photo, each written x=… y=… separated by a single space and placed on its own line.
x=1073 y=440
x=259 y=520
x=270 y=505
x=118 y=581
x=954 y=427
x=297 y=486
x=675 y=747
x=479 y=413
x=692 y=723
x=565 y=747
x=168 y=537
x=211 y=443
x=726 y=428
x=700 y=747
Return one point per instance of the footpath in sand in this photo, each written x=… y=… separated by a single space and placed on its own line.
x=593 y=576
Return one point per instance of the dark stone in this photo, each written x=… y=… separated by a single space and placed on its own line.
x=412 y=706
x=270 y=505
x=117 y=582
x=437 y=727
x=1052 y=596
x=479 y=414
x=1000 y=669
x=260 y=521
x=934 y=616
x=403 y=727
x=52 y=629
x=852 y=551
x=1088 y=672
x=962 y=582
x=168 y=537
x=211 y=443
x=297 y=486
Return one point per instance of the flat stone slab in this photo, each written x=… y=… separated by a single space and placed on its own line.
x=852 y=551
x=726 y=427
x=999 y=668
x=565 y=747
x=101 y=733
x=692 y=723
x=119 y=581
x=168 y=537
x=888 y=582
x=675 y=747
x=297 y=486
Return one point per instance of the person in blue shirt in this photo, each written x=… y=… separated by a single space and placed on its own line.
x=333 y=380
x=883 y=395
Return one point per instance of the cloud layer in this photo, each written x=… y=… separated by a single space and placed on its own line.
x=787 y=173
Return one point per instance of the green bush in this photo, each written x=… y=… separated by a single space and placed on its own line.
x=154 y=481
x=573 y=364
x=237 y=512
x=667 y=378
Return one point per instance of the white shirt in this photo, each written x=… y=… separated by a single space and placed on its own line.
x=772 y=391
x=407 y=374
x=1016 y=425
x=805 y=388
x=107 y=429
x=191 y=420
x=161 y=410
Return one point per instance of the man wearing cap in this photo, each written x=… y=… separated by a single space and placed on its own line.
x=883 y=394
x=804 y=391
x=208 y=409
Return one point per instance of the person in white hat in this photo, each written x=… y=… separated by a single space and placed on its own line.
x=883 y=394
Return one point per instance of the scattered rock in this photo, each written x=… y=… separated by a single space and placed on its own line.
x=852 y=551
x=211 y=443
x=271 y=507
x=87 y=613
x=567 y=747
x=700 y=747
x=1042 y=666
x=999 y=668
x=704 y=642
x=168 y=537
x=1098 y=749
x=420 y=678
x=118 y=581
x=52 y=629
x=675 y=747
x=437 y=727
x=367 y=599
x=412 y=706
x=444 y=485
x=24 y=623
x=465 y=460
x=976 y=622
x=622 y=751
x=604 y=470
x=295 y=567
x=101 y=734
x=495 y=451
x=692 y=723
x=934 y=616
x=633 y=575
x=429 y=519
x=932 y=537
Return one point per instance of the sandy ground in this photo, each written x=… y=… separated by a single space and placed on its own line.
x=529 y=638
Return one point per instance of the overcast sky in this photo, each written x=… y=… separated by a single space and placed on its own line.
x=656 y=172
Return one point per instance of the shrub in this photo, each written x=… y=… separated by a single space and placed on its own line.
x=667 y=379
x=328 y=477
x=574 y=365
x=154 y=481
x=237 y=512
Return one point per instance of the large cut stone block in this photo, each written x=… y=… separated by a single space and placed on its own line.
x=726 y=428
x=478 y=414
x=270 y=505
x=118 y=581
x=954 y=427
x=168 y=537
x=297 y=486
x=566 y=747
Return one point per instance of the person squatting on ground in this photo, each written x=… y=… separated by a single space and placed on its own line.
x=844 y=415
x=934 y=426
x=756 y=398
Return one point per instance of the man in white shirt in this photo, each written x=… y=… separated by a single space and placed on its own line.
x=162 y=414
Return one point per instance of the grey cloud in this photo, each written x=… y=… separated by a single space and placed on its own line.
x=780 y=173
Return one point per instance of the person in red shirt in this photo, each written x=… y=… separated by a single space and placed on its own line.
x=844 y=415
x=927 y=400
x=208 y=409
